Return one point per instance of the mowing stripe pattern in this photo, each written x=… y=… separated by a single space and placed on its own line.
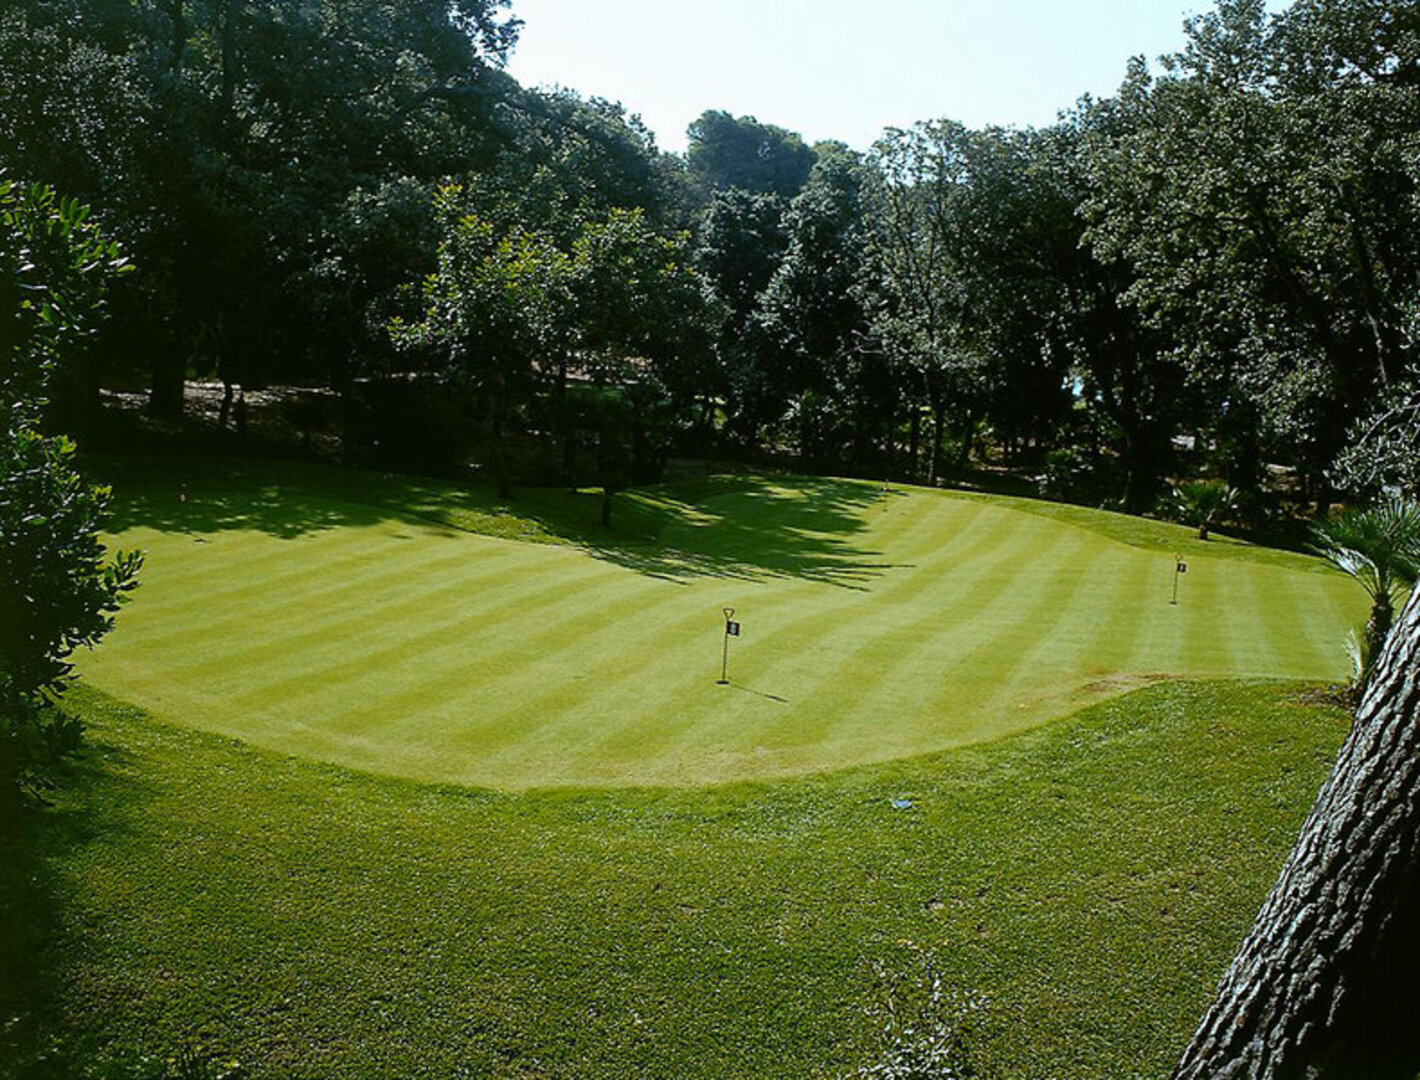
x=877 y=625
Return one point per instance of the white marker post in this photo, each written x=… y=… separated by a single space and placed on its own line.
x=732 y=629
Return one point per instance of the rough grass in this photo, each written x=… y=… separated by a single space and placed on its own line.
x=1091 y=879
x=405 y=626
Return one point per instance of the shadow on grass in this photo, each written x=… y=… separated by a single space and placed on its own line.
x=732 y=527
x=744 y=527
x=38 y=926
x=204 y=496
x=757 y=693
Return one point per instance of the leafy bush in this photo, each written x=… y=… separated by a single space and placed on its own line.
x=1066 y=473
x=1203 y=503
x=57 y=591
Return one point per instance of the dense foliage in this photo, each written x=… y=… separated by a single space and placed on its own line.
x=1221 y=256
x=58 y=590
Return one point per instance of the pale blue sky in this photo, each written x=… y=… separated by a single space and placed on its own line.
x=841 y=69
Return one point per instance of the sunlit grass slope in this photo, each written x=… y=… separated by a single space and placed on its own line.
x=1091 y=879
x=413 y=629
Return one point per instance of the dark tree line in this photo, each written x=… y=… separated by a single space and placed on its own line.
x=1222 y=255
x=271 y=164
x=1224 y=252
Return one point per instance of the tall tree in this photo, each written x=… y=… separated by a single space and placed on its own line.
x=498 y=304
x=1018 y=239
x=919 y=313
x=513 y=313
x=726 y=151
x=237 y=141
x=740 y=241
x=642 y=329
x=813 y=314
x=1263 y=197
x=986 y=295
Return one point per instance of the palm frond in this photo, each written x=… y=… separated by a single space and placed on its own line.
x=1377 y=545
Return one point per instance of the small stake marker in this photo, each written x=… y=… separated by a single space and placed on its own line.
x=1179 y=567
x=732 y=629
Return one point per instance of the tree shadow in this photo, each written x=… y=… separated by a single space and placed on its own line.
x=206 y=496
x=37 y=925
x=743 y=527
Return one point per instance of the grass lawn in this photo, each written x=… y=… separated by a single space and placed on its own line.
x=385 y=780
x=408 y=628
x=1091 y=878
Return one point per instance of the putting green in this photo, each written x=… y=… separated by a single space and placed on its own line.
x=323 y=620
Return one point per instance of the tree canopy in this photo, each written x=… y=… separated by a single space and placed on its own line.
x=1221 y=253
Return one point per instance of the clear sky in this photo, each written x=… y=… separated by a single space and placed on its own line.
x=839 y=69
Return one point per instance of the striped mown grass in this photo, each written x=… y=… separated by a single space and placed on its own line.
x=410 y=628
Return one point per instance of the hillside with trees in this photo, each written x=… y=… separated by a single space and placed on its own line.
x=1220 y=257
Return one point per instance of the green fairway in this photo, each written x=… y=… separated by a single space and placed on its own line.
x=411 y=629
x=1091 y=879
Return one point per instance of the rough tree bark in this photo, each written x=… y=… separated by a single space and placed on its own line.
x=1324 y=987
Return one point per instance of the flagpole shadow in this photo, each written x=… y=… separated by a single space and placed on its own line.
x=756 y=693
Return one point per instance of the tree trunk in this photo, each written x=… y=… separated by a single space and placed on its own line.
x=934 y=452
x=225 y=411
x=968 y=429
x=497 y=458
x=808 y=451
x=914 y=442
x=568 y=423
x=609 y=470
x=165 y=396
x=1240 y=436
x=569 y=457
x=890 y=444
x=1324 y=985
x=1143 y=460
x=860 y=456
